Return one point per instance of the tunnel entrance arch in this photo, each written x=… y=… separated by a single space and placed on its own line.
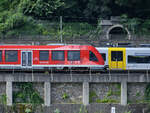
x=118 y=31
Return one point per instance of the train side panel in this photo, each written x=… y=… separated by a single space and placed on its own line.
x=138 y=58
x=115 y=58
x=104 y=53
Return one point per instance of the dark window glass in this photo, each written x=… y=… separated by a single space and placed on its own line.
x=138 y=59
x=11 y=55
x=58 y=55
x=104 y=56
x=116 y=56
x=0 y=56
x=29 y=59
x=23 y=59
x=73 y=55
x=93 y=57
x=44 y=55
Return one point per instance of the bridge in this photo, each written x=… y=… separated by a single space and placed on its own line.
x=85 y=79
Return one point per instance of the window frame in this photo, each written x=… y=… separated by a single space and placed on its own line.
x=115 y=56
x=6 y=59
x=41 y=56
x=1 y=56
x=74 y=51
x=52 y=57
x=138 y=60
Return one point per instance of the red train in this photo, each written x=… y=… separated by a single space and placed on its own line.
x=49 y=56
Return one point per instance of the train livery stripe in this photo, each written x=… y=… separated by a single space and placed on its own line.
x=100 y=66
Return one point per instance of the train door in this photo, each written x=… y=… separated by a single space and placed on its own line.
x=26 y=59
x=117 y=58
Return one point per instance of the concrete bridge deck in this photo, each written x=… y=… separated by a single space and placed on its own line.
x=85 y=79
x=60 y=77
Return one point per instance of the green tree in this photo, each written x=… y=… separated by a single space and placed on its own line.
x=15 y=13
x=39 y=8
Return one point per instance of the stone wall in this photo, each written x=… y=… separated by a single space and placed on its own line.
x=78 y=108
x=66 y=93
x=71 y=93
x=2 y=88
x=39 y=87
x=105 y=92
x=136 y=92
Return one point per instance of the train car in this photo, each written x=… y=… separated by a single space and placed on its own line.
x=49 y=56
x=126 y=58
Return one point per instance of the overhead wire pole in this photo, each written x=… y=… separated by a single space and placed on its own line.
x=61 y=28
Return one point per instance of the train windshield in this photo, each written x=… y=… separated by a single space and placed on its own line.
x=92 y=56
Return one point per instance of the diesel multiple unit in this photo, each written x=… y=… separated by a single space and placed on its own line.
x=49 y=56
x=73 y=56
x=126 y=58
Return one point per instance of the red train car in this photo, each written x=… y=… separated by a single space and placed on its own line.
x=49 y=56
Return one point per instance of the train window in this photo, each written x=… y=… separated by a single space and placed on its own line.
x=0 y=55
x=104 y=56
x=58 y=55
x=73 y=55
x=11 y=55
x=138 y=59
x=116 y=56
x=44 y=55
x=93 y=57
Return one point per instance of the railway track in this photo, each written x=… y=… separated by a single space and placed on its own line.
x=69 y=71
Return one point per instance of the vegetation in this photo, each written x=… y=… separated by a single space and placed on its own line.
x=27 y=94
x=128 y=112
x=107 y=100
x=22 y=16
x=83 y=109
x=147 y=93
x=65 y=96
x=57 y=111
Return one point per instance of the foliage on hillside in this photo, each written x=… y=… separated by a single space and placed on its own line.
x=18 y=16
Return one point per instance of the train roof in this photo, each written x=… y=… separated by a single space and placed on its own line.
x=59 y=47
x=127 y=48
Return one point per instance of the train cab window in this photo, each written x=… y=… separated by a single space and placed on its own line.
x=0 y=55
x=73 y=55
x=103 y=56
x=93 y=57
x=11 y=55
x=138 y=59
x=58 y=55
x=44 y=55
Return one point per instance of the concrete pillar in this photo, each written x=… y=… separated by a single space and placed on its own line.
x=47 y=93
x=9 y=93
x=124 y=93
x=85 y=93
